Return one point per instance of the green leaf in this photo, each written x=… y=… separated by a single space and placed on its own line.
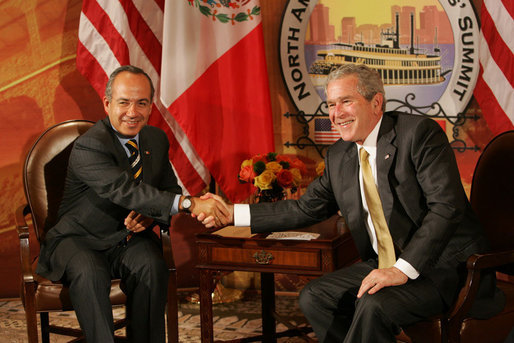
x=284 y=164
x=205 y=10
x=259 y=167
x=223 y=17
x=256 y=10
x=241 y=17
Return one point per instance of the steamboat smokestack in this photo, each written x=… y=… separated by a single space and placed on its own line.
x=412 y=33
x=396 y=42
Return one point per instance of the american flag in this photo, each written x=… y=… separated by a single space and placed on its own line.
x=324 y=133
x=495 y=86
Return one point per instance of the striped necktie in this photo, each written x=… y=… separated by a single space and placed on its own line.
x=386 y=255
x=135 y=160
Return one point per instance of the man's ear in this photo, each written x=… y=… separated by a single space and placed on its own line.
x=377 y=101
x=106 y=103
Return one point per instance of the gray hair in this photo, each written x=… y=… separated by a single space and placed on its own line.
x=130 y=69
x=369 y=82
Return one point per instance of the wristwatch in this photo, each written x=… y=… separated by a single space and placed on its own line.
x=186 y=204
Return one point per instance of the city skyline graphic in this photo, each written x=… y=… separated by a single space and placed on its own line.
x=335 y=22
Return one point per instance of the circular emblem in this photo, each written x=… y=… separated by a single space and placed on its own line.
x=227 y=11
x=427 y=55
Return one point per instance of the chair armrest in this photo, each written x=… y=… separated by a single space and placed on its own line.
x=475 y=265
x=491 y=260
x=23 y=236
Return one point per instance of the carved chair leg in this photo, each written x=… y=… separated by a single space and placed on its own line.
x=30 y=312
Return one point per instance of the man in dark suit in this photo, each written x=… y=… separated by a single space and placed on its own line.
x=113 y=193
x=411 y=269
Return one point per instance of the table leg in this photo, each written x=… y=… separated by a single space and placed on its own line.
x=268 y=307
x=206 y=287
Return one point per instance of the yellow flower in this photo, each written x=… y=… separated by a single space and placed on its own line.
x=320 y=168
x=248 y=162
x=273 y=166
x=264 y=180
x=297 y=176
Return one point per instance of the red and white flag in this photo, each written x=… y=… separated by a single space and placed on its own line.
x=212 y=96
x=494 y=90
x=214 y=82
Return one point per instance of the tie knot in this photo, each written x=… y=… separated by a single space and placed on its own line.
x=363 y=154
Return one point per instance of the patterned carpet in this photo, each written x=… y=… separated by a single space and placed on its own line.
x=233 y=320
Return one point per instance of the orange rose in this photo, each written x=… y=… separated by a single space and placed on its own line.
x=275 y=167
x=264 y=180
x=246 y=174
x=297 y=176
x=285 y=178
x=298 y=164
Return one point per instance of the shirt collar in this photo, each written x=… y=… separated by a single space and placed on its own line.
x=124 y=139
x=370 y=143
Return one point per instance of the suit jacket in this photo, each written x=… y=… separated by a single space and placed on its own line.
x=100 y=192
x=430 y=219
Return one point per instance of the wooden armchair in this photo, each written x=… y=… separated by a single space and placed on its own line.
x=43 y=177
x=492 y=199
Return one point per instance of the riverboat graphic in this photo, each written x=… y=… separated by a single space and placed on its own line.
x=396 y=65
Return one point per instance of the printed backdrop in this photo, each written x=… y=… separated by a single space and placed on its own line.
x=40 y=85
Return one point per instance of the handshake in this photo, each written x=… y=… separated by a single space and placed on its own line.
x=211 y=210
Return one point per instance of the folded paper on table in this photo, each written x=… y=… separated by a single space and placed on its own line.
x=235 y=231
x=301 y=236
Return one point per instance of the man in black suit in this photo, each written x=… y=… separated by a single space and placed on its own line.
x=107 y=211
x=412 y=269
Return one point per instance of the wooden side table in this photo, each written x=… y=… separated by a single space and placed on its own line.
x=333 y=249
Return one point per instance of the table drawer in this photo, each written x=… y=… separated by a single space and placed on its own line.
x=305 y=258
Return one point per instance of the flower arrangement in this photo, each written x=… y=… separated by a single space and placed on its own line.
x=272 y=174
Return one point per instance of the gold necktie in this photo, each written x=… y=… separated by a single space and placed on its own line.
x=135 y=160
x=386 y=256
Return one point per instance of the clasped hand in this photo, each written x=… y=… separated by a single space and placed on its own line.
x=212 y=211
x=136 y=222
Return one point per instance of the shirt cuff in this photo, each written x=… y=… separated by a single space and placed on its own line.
x=241 y=215
x=406 y=268
x=174 y=207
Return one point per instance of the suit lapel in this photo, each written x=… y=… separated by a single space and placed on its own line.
x=145 y=149
x=351 y=200
x=386 y=152
x=120 y=150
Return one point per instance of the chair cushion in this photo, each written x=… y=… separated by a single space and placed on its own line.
x=53 y=296
x=428 y=331
x=496 y=328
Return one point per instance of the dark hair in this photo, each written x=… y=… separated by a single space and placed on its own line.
x=130 y=69
x=369 y=82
